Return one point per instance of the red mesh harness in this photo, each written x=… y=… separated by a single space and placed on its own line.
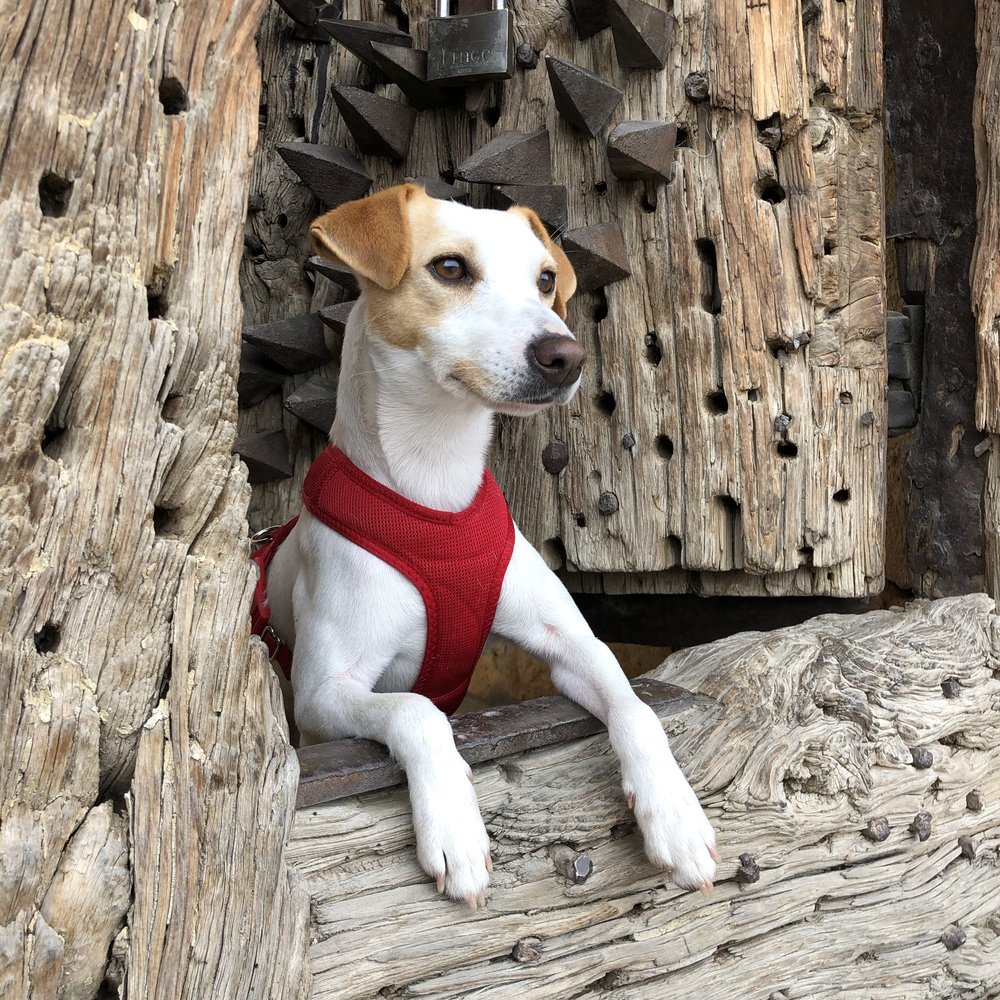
x=456 y=561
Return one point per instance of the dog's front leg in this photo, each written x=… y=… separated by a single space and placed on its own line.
x=537 y=613
x=452 y=844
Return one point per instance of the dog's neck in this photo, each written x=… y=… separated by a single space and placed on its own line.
x=395 y=423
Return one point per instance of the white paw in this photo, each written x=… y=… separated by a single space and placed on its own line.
x=452 y=844
x=675 y=830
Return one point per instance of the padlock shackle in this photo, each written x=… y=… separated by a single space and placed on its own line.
x=444 y=7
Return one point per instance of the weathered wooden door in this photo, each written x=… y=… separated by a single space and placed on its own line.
x=729 y=437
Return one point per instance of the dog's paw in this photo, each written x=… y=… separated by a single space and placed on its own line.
x=452 y=844
x=675 y=830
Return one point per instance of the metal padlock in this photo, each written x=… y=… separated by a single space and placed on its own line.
x=470 y=48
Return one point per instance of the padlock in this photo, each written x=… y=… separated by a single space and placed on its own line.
x=473 y=48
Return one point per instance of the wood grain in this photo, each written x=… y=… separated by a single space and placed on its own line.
x=795 y=740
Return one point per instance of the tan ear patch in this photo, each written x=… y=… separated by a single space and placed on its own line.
x=370 y=235
x=565 y=275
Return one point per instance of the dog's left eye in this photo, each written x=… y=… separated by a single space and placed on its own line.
x=546 y=282
x=450 y=268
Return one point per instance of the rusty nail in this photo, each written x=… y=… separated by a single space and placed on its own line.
x=696 y=87
x=921 y=826
x=921 y=758
x=555 y=457
x=526 y=55
x=747 y=871
x=974 y=801
x=628 y=441
x=951 y=687
x=953 y=937
x=528 y=949
x=877 y=830
x=607 y=503
x=967 y=847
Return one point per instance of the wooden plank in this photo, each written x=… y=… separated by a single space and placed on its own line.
x=795 y=740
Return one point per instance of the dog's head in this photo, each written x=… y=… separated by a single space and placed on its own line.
x=478 y=296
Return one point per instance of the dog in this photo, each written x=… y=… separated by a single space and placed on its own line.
x=461 y=316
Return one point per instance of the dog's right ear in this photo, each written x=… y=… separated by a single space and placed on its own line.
x=370 y=235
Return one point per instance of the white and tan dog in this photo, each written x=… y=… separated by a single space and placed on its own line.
x=460 y=317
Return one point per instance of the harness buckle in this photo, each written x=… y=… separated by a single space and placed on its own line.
x=263 y=536
x=267 y=640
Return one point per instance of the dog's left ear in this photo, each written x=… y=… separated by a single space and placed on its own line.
x=565 y=275
x=370 y=235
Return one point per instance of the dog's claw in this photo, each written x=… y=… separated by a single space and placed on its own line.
x=714 y=853
x=630 y=799
x=440 y=883
x=489 y=863
x=706 y=889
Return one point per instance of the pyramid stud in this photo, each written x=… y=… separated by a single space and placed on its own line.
x=314 y=403
x=642 y=33
x=582 y=98
x=380 y=127
x=642 y=150
x=357 y=36
x=259 y=376
x=332 y=173
x=407 y=68
x=335 y=317
x=266 y=456
x=591 y=16
x=442 y=190
x=337 y=271
x=297 y=344
x=306 y=12
x=598 y=255
x=510 y=158
x=547 y=201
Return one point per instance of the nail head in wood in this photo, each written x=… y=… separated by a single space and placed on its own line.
x=642 y=150
x=642 y=34
x=867 y=418
x=582 y=98
x=297 y=344
x=266 y=457
x=607 y=503
x=696 y=87
x=314 y=403
x=528 y=949
x=526 y=55
x=974 y=801
x=598 y=255
x=548 y=201
x=953 y=937
x=951 y=688
x=747 y=871
x=555 y=457
x=379 y=126
x=510 y=158
x=628 y=441
x=921 y=758
x=967 y=848
x=921 y=826
x=877 y=830
x=332 y=173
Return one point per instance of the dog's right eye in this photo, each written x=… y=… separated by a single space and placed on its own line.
x=449 y=268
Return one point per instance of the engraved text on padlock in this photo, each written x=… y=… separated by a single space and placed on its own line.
x=475 y=48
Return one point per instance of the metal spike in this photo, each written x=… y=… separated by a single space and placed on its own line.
x=336 y=271
x=308 y=12
x=335 y=317
x=582 y=98
x=510 y=158
x=266 y=456
x=259 y=376
x=407 y=68
x=442 y=190
x=548 y=201
x=315 y=403
x=598 y=255
x=642 y=150
x=642 y=33
x=591 y=16
x=380 y=127
x=332 y=173
x=357 y=36
x=297 y=344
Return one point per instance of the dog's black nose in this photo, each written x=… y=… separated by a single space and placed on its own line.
x=557 y=359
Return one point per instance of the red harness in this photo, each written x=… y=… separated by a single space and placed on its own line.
x=456 y=561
